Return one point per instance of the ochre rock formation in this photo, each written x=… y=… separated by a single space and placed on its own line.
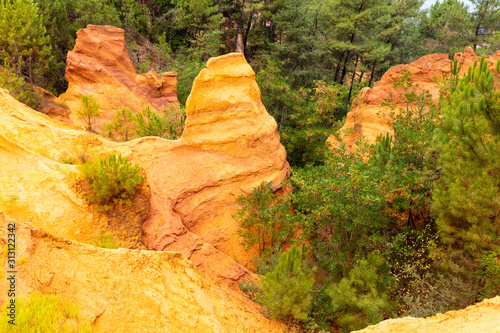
x=230 y=145
x=369 y=118
x=99 y=66
x=481 y=317
x=127 y=290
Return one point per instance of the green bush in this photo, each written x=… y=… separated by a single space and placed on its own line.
x=287 y=289
x=362 y=298
x=39 y=313
x=251 y=288
x=17 y=87
x=490 y=274
x=89 y=111
x=122 y=128
x=105 y=241
x=262 y=216
x=113 y=180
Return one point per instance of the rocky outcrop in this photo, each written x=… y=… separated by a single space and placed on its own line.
x=230 y=145
x=369 y=118
x=481 y=317
x=99 y=66
x=127 y=290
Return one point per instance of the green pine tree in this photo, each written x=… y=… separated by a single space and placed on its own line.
x=123 y=125
x=89 y=111
x=363 y=297
x=466 y=199
x=287 y=289
x=24 y=44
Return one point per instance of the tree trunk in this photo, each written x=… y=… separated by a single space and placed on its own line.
x=372 y=74
x=352 y=80
x=247 y=31
x=237 y=34
x=361 y=76
x=344 y=67
x=337 y=70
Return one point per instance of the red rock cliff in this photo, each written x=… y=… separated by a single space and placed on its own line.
x=99 y=66
x=230 y=146
x=368 y=117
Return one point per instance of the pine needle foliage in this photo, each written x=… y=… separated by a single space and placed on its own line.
x=122 y=128
x=89 y=111
x=363 y=297
x=39 y=313
x=467 y=198
x=113 y=180
x=263 y=218
x=287 y=289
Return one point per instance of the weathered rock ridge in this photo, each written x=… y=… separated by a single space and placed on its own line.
x=369 y=118
x=481 y=317
x=127 y=290
x=230 y=145
x=99 y=66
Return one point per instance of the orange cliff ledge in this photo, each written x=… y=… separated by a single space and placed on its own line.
x=369 y=118
x=230 y=145
x=100 y=66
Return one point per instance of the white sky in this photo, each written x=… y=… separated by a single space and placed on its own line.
x=428 y=3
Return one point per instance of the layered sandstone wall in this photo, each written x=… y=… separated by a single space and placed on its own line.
x=480 y=317
x=99 y=66
x=230 y=146
x=369 y=118
x=127 y=290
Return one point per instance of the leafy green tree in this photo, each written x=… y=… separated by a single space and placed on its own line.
x=353 y=29
x=287 y=289
x=305 y=117
x=341 y=208
x=452 y=25
x=407 y=165
x=89 y=111
x=298 y=43
x=447 y=27
x=466 y=198
x=363 y=297
x=24 y=44
x=263 y=218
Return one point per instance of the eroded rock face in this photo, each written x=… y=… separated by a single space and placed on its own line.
x=230 y=146
x=127 y=290
x=369 y=118
x=481 y=317
x=99 y=66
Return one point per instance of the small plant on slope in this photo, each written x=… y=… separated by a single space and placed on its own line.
x=112 y=179
x=42 y=313
x=89 y=111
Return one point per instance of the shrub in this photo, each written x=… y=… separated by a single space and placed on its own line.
x=262 y=216
x=105 y=241
x=362 y=297
x=17 y=87
x=251 y=288
x=89 y=111
x=122 y=127
x=287 y=289
x=43 y=313
x=490 y=274
x=112 y=179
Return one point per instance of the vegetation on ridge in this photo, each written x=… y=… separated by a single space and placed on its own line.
x=407 y=226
